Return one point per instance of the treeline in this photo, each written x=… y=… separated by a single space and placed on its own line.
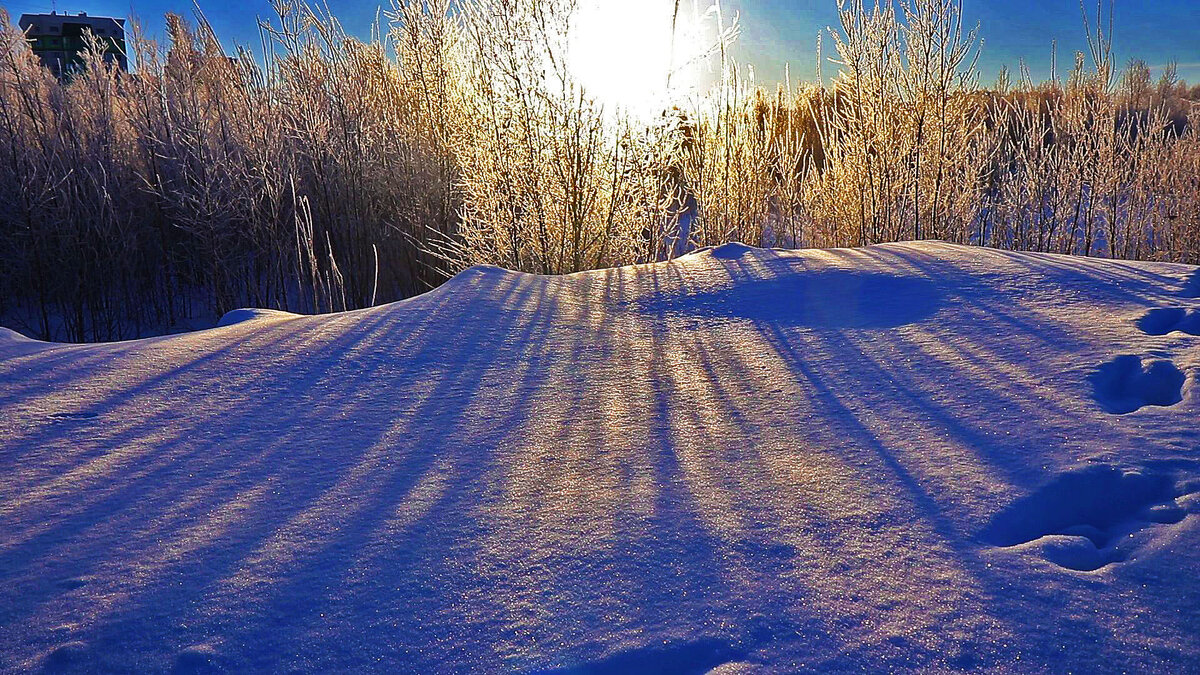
x=340 y=173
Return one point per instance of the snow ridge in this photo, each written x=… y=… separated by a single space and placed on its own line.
x=913 y=457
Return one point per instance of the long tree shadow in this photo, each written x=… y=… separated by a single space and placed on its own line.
x=219 y=388
x=284 y=615
x=972 y=290
x=811 y=368
x=276 y=460
x=516 y=474
x=835 y=382
x=141 y=495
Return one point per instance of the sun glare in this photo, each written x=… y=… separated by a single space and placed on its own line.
x=621 y=51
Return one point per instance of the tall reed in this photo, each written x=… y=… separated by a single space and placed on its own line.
x=331 y=172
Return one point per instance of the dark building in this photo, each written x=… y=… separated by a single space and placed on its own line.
x=58 y=38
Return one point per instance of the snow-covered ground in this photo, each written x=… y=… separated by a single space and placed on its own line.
x=914 y=457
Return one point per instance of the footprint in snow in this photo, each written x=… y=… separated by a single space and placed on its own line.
x=1169 y=319
x=1127 y=383
x=1084 y=520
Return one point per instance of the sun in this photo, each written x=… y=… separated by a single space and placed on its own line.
x=620 y=51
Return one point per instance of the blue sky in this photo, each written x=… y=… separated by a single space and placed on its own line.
x=775 y=32
x=1157 y=32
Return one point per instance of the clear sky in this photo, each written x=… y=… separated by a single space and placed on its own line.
x=1157 y=32
x=779 y=31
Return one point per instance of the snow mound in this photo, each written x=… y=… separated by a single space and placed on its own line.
x=197 y=659
x=479 y=276
x=732 y=251
x=909 y=458
x=237 y=316
x=14 y=344
x=68 y=656
x=11 y=336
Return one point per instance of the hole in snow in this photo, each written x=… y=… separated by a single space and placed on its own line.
x=1073 y=519
x=1166 y=320
x=1126 y=384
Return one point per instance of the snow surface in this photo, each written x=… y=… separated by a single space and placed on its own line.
x=242 y=315
x=917 y=457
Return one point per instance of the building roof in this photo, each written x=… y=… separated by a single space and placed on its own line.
x=39 y=22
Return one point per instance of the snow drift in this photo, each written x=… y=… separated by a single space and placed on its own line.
x=907 y=457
